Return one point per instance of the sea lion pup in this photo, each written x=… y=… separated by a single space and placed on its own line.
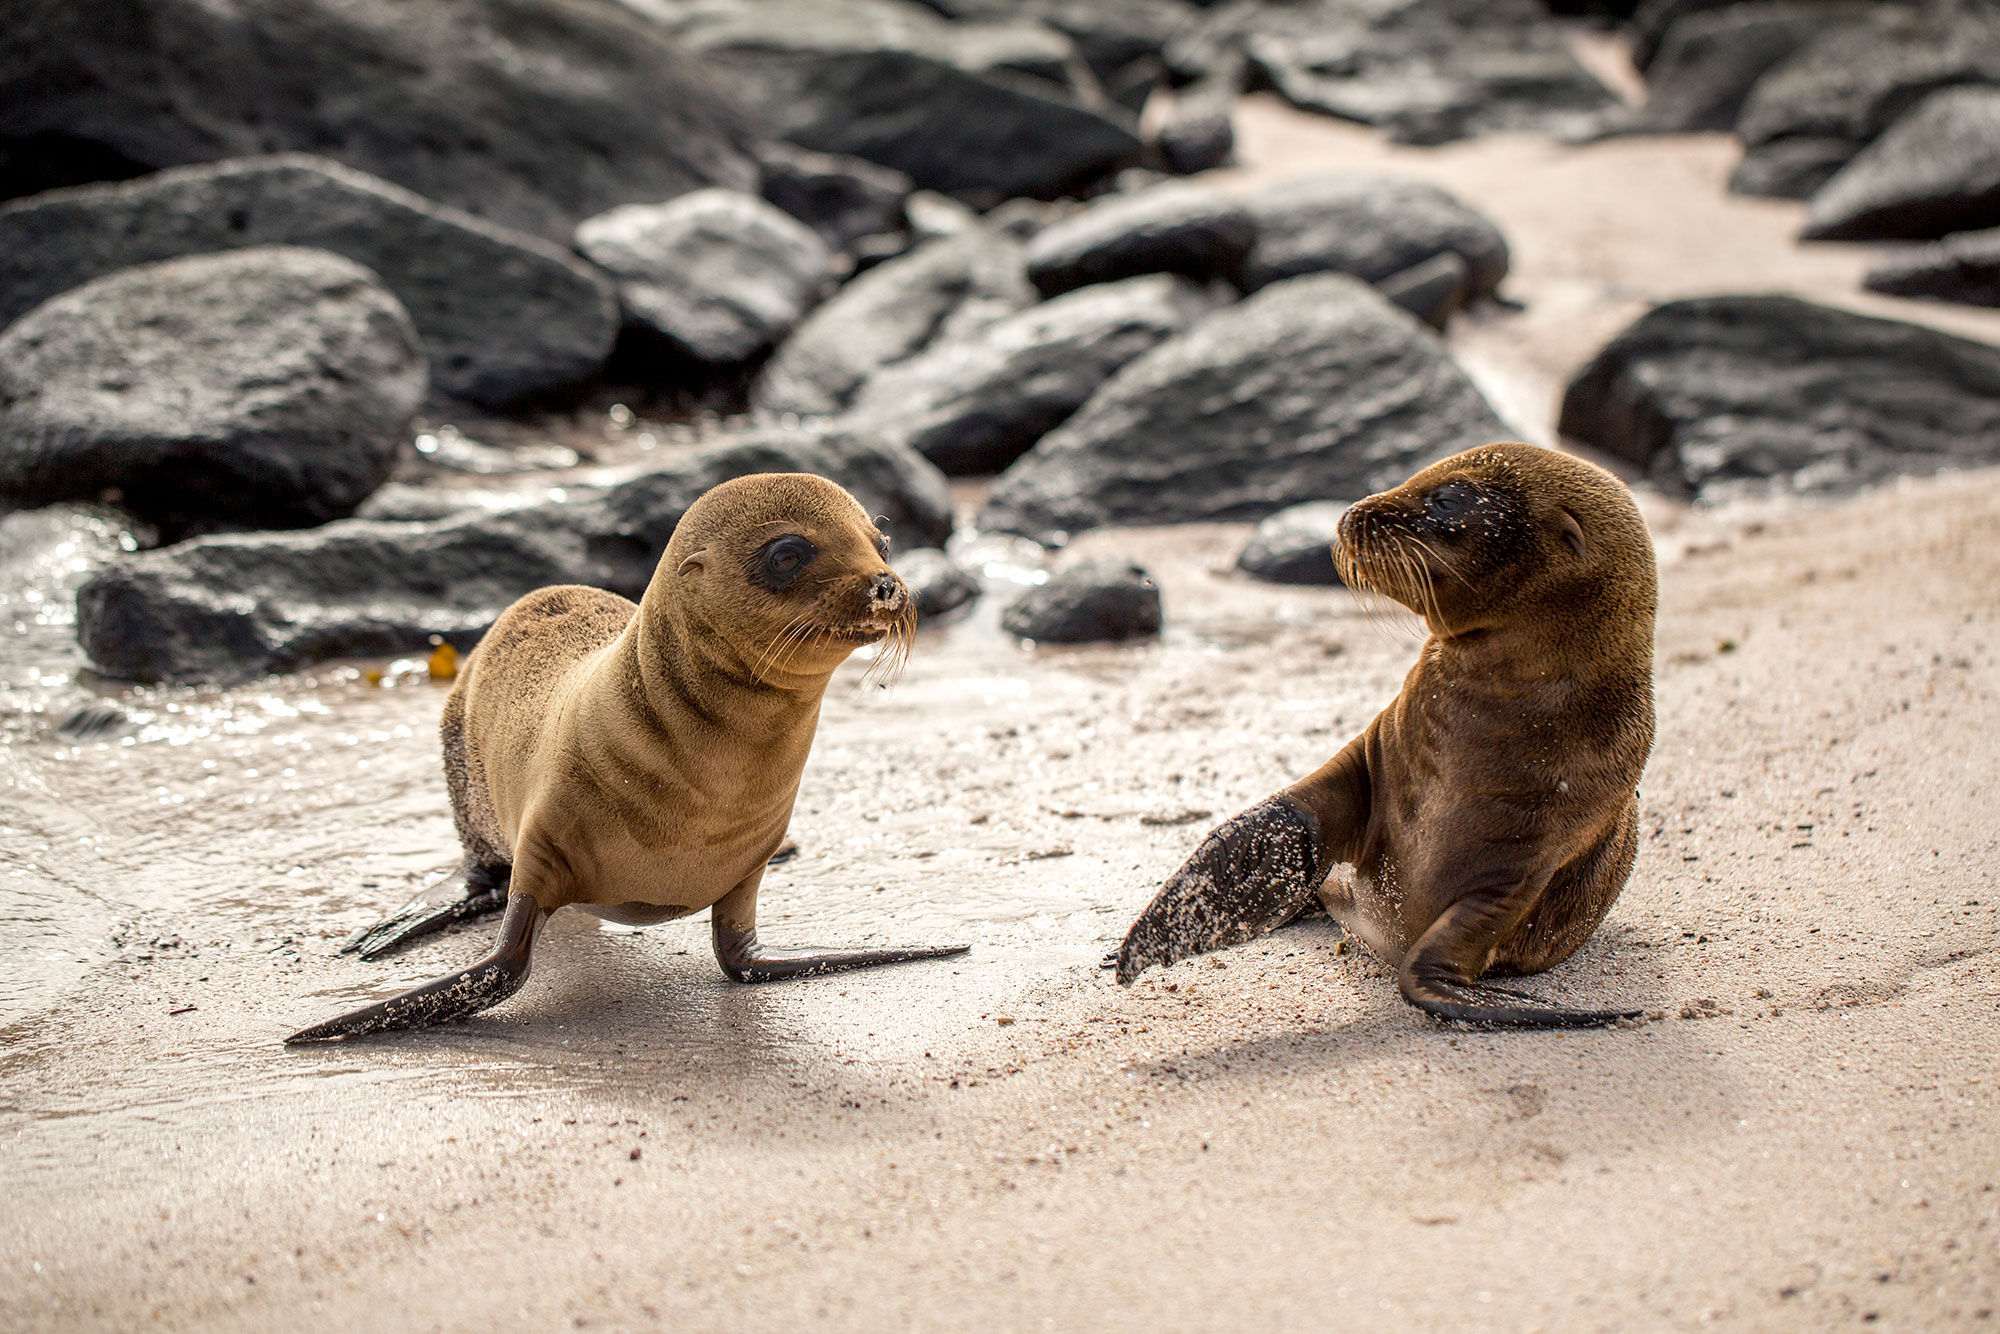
x=1489 y=813
x=640 y=762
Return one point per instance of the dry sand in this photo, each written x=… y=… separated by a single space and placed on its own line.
x=1802 y=1135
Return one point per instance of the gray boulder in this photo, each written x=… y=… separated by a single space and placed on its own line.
x=976 y=403
x=1110 y=35
x=721 y=274
x=1198 y=132
x=502 y=314
x=937 y=583
x=1312 y=389
x=1721 y=395
x=1094 y=600
x=1432 y=291
x=939 y=291
x=1708 y=61
x=265 y=388
x=232 y=606
x=842 y=198
x=1935 y=171
x=1370 y=226
x=1171 y=228
x=1295 y=545
x=534 y=113
x=1963 y=268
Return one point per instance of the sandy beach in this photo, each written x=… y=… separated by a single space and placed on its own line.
x=1803 y=1133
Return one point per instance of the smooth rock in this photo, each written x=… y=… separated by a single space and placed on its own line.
x=1722 y=395
x=1093 y=600
x=1708 y=61
x=1171 y=228
x=232 y=606
x=975 y=403
x=842 y=198
x=502 y=314
x=938 y=291
x=264 y=388
x=1433 y=291
x=1312 y=389
x=1110 y=35
x=1295 y=545
x=1933 y=172
x=936 y=582
x=1963 y=268
x=534 y=113
x=1369 y=226
x=1198 y=132
x=721 y=274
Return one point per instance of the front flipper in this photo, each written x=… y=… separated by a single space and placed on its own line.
x=1440 y=973
x=1252 y=875
x=733 y=925
x=470 y=891
x=478 y=987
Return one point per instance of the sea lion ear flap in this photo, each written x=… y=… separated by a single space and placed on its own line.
x=1572 y=531
x=692 y=562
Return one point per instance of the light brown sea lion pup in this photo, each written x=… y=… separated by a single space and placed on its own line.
x=1490 y=812
x=640 y=762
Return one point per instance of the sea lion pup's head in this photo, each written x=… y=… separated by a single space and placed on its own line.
x=1504 y=534
x=789 y=572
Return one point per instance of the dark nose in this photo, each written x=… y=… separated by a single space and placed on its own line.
x=887 y=593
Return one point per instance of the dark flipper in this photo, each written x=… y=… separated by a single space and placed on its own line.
x=470 y=891
x=1439 y=974
x=1253 y=874
x=1497 y=1007
x=479 y=987
x=745 y=960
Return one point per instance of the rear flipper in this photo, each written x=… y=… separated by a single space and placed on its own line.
x=744 y=959
x=470 y=891
x=1438 y=978
x=465 y=993
x=1252 y=875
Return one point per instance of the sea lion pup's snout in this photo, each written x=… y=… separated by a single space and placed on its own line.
x=1490 y=812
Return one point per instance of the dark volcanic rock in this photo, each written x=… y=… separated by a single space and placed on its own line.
x=975 y=404
x=502 y=314
x=1935 y=171
x=1199 y=131
x=937 y=583
x=1171 y=228
x=1369 y=226
x=939 y=291
x=1709 y=61
x=842 y=198
x=1433 y=290
x=1731 y=393
x=1110 y=35
x=535 y=113
x=266 y=388
x=1295 y=545
x=1806 y=118
x=973 y=111
x=1094 y=600
x=1963 y=268
x=237 y=605
x=723 y=275
x=1312 y=389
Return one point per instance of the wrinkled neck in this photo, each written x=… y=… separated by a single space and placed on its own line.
x=683 y=660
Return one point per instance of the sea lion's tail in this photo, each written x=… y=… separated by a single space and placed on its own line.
x=478 y=987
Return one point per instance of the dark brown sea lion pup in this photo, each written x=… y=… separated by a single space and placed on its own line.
x=1490 y=812
x=640 y=762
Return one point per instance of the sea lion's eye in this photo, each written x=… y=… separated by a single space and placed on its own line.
x=1448 y=501
x=782 y=559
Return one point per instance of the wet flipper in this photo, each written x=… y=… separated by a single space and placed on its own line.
x=1252 y=875
x=744 y=959
x=1489 y=1006
x=478 y=987
x=1439 y=974
x=470 y=891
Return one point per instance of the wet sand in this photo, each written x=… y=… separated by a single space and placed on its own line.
x=1801 y=1135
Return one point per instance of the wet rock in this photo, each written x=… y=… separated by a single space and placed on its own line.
x=1963 y=268
x=938 y=583
x=534 y=113
x=723 y=275
x=974 y=404
x=95 y=722
x=1810 y=115
x=1726 y=394
x=1094 y=600
x=980 y=112
x=1709 y=61
x=841 y=198
x=233 y=606
x=1312 y=388
x=1370 y=226
x=502 y=314
x=1171 y=228
x=942 y=290
x=1295 y=545
x=265 y=388
x=1432 y=291
x=1935 y=171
